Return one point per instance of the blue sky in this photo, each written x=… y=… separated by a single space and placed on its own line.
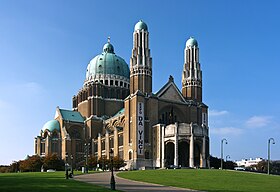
x=45 y=47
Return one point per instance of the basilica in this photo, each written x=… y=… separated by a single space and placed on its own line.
x=116 y=110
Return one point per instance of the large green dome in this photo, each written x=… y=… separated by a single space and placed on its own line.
x=51 y=126
x=107 y=63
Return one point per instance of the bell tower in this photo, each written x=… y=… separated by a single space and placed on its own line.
x=140 y=61
x=192 y=74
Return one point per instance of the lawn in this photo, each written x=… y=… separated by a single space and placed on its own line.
x=208 y=180
x=40 y=182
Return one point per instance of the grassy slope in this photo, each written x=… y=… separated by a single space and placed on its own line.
x=40 y=182
x=208 y=180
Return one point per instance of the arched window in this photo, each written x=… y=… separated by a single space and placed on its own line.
x=130 y=155
x=45 y=134
x=54 y=135
x=111 y=143
x=120 y=140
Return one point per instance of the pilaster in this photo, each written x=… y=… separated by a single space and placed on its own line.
x=191 y=148
x=116 y=142
x=203 y=152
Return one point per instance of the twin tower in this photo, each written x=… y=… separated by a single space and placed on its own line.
x=141 y=65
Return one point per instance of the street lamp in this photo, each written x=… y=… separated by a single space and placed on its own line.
x=66 y=167
x=72 y=171
x=227 y=157
x=86 y=151
x=268 y=162
x=222 y=156
x=113 y=183
x=86 y=144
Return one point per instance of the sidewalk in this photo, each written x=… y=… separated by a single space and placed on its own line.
x=103 y=179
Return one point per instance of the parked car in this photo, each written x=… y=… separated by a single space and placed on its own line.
x=172 y=167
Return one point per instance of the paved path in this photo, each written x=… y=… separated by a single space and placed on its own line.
x=103 y=179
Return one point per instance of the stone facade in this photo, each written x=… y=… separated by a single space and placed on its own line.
x=116 y=110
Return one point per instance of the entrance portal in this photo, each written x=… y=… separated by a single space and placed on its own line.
x=169 y=154
x=183 y=153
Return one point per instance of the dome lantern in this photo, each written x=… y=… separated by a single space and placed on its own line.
x=108 y=47
x=141 y=25
x=191 y=42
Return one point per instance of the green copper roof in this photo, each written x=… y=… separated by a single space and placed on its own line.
x=51 y=126
x=107 y=63
x=73 y=116
x=141 y=25
x=120 y=112
x=191 y=42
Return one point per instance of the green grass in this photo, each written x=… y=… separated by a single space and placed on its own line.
x=208 y=180
x=40 y=182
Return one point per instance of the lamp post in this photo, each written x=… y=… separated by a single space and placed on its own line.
x=86 y=155
x=222 y=151
x=227 y=157
x=86 y=144
x=72 y=170
x=268 y=162
x=113 y=183
x=66 y=167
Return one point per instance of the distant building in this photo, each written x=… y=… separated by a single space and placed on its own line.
x=248 y=162
x=116 y=110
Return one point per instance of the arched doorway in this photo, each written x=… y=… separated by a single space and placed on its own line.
x=169 y=154
x=183 y=153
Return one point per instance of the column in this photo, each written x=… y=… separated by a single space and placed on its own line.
x=176 y=152
x=107 y=147
x=99 y=152
x=38 y=146
x=191 y=150
x=176 y=147
x=162 y=147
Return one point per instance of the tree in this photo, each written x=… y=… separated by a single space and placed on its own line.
x=103 y=162
x=261 y=166
x=230 y=165
x=275 y=167
x=215 y=162
x=4 y=168
x=52 y=161
x=92 y=162
x=14 y=167
x=118 y=162
x=31 y=163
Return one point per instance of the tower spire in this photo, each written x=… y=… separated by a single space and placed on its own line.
x=192 y=74
x=140 y=61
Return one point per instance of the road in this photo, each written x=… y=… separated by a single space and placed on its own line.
x=103 y=179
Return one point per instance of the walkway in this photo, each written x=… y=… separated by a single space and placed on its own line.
x=103 y=179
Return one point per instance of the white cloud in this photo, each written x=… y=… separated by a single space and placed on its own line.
x=226 y=131
x=258 y=121
x=217 y=113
